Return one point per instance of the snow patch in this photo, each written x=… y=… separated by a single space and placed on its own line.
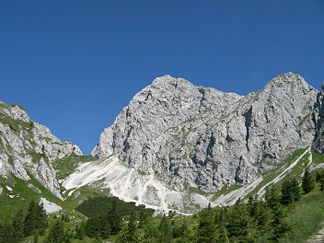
x=50 y=207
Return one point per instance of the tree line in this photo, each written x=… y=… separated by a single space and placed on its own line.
x=246 y=221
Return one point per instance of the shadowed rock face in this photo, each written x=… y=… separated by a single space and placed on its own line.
x=203 y=138
x=28 y=148
x=318 y=117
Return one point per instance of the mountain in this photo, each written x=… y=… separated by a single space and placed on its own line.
x=177 y=143
x=28 y=150
x=175 y=146
x=208 y=138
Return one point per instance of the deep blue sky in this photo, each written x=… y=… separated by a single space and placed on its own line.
x=75 y=64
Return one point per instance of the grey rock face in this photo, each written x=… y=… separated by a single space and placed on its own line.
x=28 y=148
x=203 y=138
x=318 y=117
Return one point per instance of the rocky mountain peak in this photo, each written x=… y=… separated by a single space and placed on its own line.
x=167 y=80
x=200 y=137
x=289 y=81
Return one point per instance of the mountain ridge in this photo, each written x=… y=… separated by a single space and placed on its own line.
x=28 y=149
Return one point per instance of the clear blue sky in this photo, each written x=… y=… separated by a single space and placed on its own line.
x=74 y=64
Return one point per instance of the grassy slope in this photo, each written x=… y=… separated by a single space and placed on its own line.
x=23 y=193
x=317 y=158
x=272 y=174
x=68 y=164
x=306 y=217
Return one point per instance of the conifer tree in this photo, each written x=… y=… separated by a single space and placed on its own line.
x=35 y=237
x=239 y=223
x=319 y=175
x=143 y=219
x=206 y=231
x=56 y=234
x=151 y=233
x=262 y=218
x=131 y=229
x=308 y=183
x=271 y=198
x=221 y=220
x=182 y=232
x=290 y=191
x=18 y=225
x=7 y=234
x=41 y=218
x=104 y=225
x=322 y=185
x=30 y=222
x=36 y=219
x=80 y=231
x=115 y=219
x=165 y=230
x=252 y=205
x=279 y=224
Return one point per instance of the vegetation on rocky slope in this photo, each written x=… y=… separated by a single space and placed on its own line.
x=288 y=214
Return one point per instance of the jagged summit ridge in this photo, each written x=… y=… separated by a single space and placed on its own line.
x=204 y=138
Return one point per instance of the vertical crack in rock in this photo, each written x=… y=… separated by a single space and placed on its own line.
x=248 y=121
x=238 y=171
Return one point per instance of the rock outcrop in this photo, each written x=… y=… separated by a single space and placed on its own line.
x=28 y=149
x=198 y=137
x=318 y=117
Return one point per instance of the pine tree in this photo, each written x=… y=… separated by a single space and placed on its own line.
x=206 y=231
x=308 y=183
x=290 y=191
x=322 y=185
x=131 y=229
x=252 y=205
x=262 y=218
x=165 y=230
x=68 y=236
x=279 y=224
x=30 y=222
x=56 y=234
x=319 y=175
x=151 y=233
x=115 y=219
x=80 y=231
x=239 y=223
x=18 y=225
x=104 y=226
x=41 y=218
x=7 y=234
x=271 y=198
x=181 y=232
x=98 y=227
x=36 y=219
x=35 y=237
x=221 y=219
